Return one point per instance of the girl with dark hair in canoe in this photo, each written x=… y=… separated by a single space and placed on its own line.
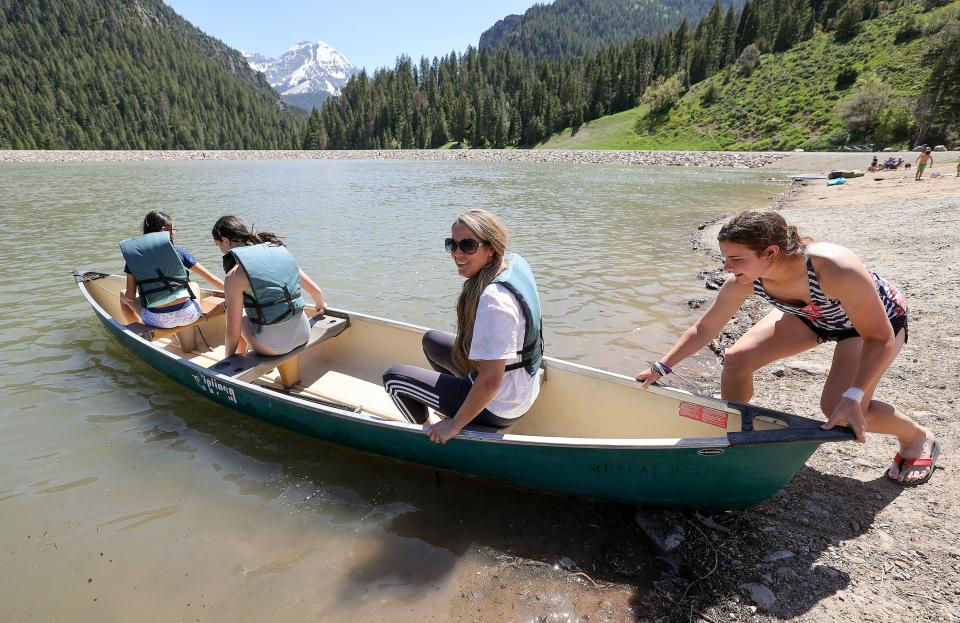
x=489 y=372
x=265 y=308
x=160 y=272
x=821 y=292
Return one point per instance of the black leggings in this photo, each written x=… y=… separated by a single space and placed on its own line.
x=443 y=389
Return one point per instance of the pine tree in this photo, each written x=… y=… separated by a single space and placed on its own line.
x=748 y=28
x=438 y=135
x=728 y=50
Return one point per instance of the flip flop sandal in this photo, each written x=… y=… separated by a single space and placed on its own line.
x=903 y=463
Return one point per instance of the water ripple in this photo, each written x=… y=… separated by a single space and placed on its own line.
x=609 y=246
x=138 y=519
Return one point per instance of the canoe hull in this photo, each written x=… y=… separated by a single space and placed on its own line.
x=703 y=475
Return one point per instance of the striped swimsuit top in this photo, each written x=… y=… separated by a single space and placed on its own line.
x=827 y=313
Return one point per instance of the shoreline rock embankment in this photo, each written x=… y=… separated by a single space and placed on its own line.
x=724 y=159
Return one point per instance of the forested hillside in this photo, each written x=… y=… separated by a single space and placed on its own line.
x=893 y=81
x=576 y=27
x=501 y=98
x=127 y=74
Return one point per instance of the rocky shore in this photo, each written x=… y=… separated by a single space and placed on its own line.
x=840 y=542
x=727 y=159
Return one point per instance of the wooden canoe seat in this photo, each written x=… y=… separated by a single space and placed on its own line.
x=210 y=307
x=359 y=395
x=251 y=366
x=355 y=393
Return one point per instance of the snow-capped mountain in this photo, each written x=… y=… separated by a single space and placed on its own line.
x=306 y=74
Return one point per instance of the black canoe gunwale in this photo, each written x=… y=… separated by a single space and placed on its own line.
x=798 y=429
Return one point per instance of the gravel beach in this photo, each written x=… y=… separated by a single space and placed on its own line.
x=863 y=548
x=740 y=160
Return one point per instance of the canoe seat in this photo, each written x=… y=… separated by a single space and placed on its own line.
x=354 y=393
x=251 y=366
x=210 y=307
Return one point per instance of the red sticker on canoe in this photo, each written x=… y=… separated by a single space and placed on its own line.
x=700 y=413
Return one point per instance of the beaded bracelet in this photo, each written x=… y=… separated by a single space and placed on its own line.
x=661 y=368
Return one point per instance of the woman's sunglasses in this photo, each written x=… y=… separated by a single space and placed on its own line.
x=467 y=245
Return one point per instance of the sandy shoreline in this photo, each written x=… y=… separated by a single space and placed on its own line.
x=738 y=160
x=784 y=163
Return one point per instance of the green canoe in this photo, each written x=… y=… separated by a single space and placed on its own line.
x=591 y=433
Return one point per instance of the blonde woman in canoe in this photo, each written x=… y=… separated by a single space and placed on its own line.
x=820 y=292
x=489 y=372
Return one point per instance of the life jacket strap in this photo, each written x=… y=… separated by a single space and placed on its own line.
x=525 y=354
x=287 y=300
x=170 y=284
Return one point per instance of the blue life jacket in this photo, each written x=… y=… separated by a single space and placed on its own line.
x=518 y=278
x=161 y=276
x=274 y=277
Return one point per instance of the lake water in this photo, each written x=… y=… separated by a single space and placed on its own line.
x=126 y=497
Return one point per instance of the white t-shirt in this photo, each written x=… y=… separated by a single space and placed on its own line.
x=498 y=333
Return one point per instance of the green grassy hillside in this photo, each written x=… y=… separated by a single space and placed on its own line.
x=788 y=101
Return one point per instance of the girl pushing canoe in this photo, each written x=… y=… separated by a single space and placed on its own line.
x=821 y=292
x=158 y=282
x=263 y=291
x=489 y=372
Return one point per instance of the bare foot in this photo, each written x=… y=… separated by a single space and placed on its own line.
x=920 y=449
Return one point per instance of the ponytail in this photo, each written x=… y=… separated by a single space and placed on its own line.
x=235 y=230
x=268 y=237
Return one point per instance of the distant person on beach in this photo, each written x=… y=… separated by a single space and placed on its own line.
x=158 y=289
x=923 y=161
x=873 y=165
x=489 y=372
x=820 y=292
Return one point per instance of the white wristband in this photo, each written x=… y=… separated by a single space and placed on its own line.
x=854 y=393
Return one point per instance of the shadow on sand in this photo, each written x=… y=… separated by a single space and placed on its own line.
x=781 y=555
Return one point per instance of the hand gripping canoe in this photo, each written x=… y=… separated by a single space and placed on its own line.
x=798 y=429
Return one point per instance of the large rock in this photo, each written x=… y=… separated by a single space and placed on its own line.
x=663 y=528
x=940 y=148
x=807 y=367
x=759 y=594
x=780 y=555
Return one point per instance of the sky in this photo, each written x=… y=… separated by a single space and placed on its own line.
x=371 y=33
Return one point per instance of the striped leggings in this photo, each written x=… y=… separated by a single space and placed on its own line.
x=443 y=389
